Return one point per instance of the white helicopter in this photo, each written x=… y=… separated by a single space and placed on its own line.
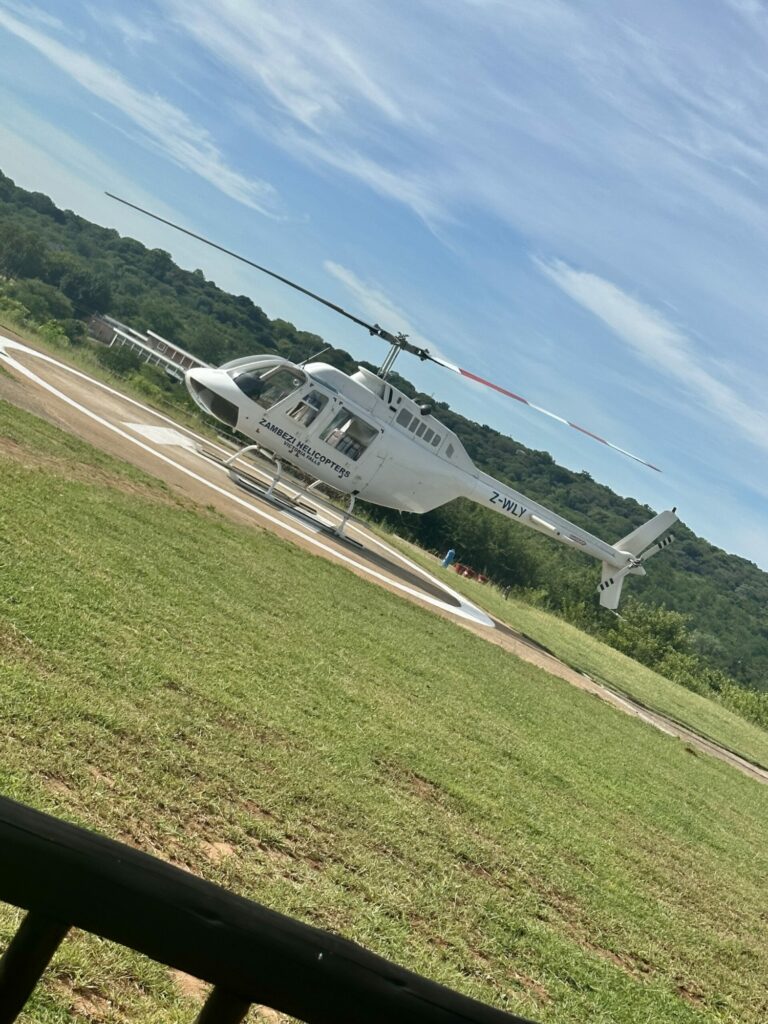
x=364 y=438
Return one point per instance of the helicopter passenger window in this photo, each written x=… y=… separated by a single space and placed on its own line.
x=428 y=435
x=268 y=387
x=413 y=424
x=436 y=440
x=421 y=428
x=348 y=434
x=449 y=452
x=308 y=409
x=403 y=418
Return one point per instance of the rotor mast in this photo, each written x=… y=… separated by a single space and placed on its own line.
x=396 y=346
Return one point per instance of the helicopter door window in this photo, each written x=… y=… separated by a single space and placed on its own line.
x=436 y=440
x=269 y=387
x=403 y=418
x=348 y=434
x=309 y=408
x=413 y=424
x=420 y=429
x=428 y=435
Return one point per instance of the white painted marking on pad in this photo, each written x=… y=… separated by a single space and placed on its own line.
x=162 y=435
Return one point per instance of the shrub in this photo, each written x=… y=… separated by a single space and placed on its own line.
x=119 y=359
x=52 y=332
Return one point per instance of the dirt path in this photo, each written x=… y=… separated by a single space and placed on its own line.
x=129 y=430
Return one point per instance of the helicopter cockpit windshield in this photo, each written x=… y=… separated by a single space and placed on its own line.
x=268 y=387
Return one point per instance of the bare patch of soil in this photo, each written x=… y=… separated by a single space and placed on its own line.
x=218 y=851
x=87 y=1003
x=189 y=986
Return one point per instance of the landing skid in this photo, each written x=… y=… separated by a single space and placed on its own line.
x=282 y=501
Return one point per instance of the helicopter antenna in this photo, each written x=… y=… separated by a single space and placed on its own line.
x=314 y=356
x=398 y=342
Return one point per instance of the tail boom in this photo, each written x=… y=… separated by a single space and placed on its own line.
x=619 y=560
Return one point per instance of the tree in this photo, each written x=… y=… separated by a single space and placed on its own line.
x=158 y=263
x=43 y=204
x=649 y=634
x=88 y=290
x=119 y=359
x=42 y=300
x=208 y=342
x=22 y=252
x=158 y=317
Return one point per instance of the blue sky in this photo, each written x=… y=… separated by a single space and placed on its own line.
x=570 y=198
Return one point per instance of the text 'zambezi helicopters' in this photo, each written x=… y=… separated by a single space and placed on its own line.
x=366 y=439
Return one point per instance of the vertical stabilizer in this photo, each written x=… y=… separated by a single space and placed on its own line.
x=640 y=545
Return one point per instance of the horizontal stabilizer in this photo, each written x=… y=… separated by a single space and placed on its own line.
x=658 y=547
x=636 y=542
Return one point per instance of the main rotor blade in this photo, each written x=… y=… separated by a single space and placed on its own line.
x=519 y=398
x=400 y=340
x=372 y=328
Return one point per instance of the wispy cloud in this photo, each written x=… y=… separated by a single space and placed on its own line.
x=34 y=14
x=501 y=106
x=134 y=33
x=307 y=67
x=165 y=127
x=383 y=310
x=662 y=345
x=412 y=189
x=748 y=8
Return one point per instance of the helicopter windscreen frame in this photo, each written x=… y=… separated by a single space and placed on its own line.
x=268 y=388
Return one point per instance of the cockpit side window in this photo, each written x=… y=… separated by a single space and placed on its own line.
x=268 y=387
x=309 y=407
x=348 y=434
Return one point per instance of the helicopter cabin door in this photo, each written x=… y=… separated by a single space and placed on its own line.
x=351 y=436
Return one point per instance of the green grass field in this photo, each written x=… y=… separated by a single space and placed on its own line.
x=266 y=719
x=604 y=663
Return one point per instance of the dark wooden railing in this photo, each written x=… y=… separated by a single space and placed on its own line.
x=66 y=876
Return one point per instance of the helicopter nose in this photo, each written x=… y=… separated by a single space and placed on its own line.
x=213 y=390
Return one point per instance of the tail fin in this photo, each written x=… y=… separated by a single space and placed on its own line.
x=611 y=583
x=640 y=545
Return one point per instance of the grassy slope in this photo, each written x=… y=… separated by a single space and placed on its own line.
x=176 y=682
x=602 y=662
